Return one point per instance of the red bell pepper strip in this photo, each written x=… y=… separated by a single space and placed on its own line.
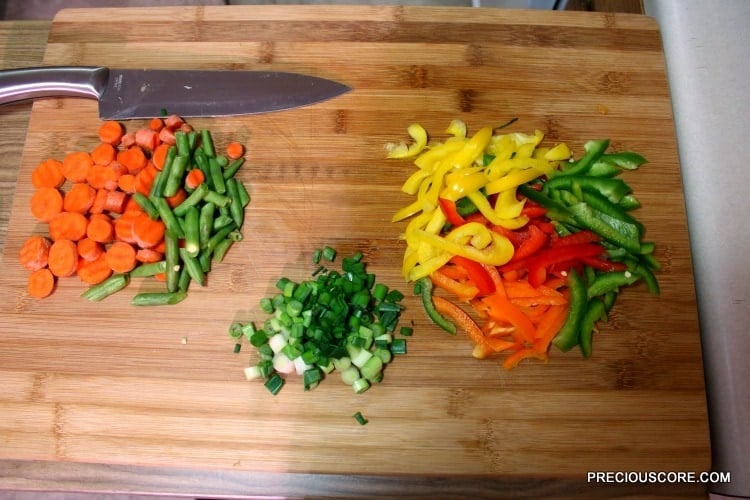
x=477 y=274
x=451 y=213
x=577 y=238
x=543 y=259
x=535 y=240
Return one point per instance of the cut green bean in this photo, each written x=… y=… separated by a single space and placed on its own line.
x=207 y=143
x=172 y=257
x=167 y=216
x=206 y=223
x=111 y=285
x=235 y=208
x=157 y=188
x=221 y=249
x=192 y=231
x=233 y=167
x=176 y=174
x=182 y=143
x=149 y=269
x=217 y=179
x=244 y=194
x=146 y=205
x=193 y=267
x=158 y=298
x=217 y=199
x=195 y=197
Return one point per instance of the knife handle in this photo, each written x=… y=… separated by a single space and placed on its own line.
x=52 y=81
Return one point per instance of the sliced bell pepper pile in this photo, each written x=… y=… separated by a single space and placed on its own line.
x=520 y=246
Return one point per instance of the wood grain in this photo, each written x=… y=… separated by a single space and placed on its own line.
x=109 y=384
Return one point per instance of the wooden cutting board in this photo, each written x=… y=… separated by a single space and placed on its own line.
x=110 y=383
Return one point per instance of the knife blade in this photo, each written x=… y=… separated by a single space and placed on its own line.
x=147 y=93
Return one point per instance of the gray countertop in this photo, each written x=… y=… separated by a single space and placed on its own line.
x=706 y=47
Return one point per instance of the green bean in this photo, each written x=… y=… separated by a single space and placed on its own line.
x=111 y=285
x=233 y=167
x=195 y=197
x=167 y=216
x=172 y=257
x=146 y=205
x=157 y=188
x=176 y=173
x=206 y=223
x=207 y=143
x=158 y=298
x=217 y=179
x=194 y=268
x=221 y=249
x=217 y=199
x=235 y=208
x=149 y=269
x=192 y=231
x=244 y=195
x=182 y=143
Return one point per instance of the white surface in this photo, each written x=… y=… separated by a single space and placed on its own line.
x=707 y=44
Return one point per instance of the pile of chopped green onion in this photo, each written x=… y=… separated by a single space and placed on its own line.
x=337 y=320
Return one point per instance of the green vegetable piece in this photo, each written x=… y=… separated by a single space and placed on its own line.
x=361 y=420
x=425 y=285
x=593 y=151
x=192 y=200
x=569 y=334
x=148 y=207
x=311 y=378
x=626 y=160
x=610 y=282
x=149 y=269
x=274 y=383
x=610 y=228
x=102 y=290
x=594 y=311
x=231 y=169
x=157 y=188
x=207 y=143
x=176 y=174
x=172 y=258
x=193 y=267
x=158 y=298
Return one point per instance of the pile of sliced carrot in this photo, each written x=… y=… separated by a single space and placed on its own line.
x=95 y=227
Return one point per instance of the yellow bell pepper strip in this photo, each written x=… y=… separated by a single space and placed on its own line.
x=419 y=134
x=497 y=253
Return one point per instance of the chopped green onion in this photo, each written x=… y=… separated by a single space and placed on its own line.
x=360 y=418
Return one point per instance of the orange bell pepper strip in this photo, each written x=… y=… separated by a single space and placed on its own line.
x=549 y=325
x=501 y=309
x=466 y=323
x=512 y=361
x=463 y=291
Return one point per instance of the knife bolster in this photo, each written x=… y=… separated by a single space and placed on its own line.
x=52 y=81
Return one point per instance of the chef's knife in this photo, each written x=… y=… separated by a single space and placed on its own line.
x=148 y=93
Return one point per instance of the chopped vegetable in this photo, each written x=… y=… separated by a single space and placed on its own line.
x=361 y=420
x=109 y=210
x=537 y=243
x=338 y=320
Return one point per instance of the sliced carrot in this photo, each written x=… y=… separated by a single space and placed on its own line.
x=121 y=257
x=235 y=150
x=68 y=226
x=103 y=154
x=34 y=252
x=147 y=232
x=173 y=122
x=177 y=198
x=100 y=176
x=89 y=249
x=186 y=127
x=41 y=283
x=194 y=178
x=146 y=255
x=166 y=136
x=127 y=183
x=145 y=178
x=160 y=247
x=94 y=271
x=111 y=132
x=133 y=158
x=79 y=198
x=99 y=200
x=100 y=228
x=76 y=165
x=115 y=202
x=132 y=206
x=63 y=258
x=159 y=156
x=147 y=138
x=46 y=203
x=128 y=140
x=124 y=227
x=160 y=277
x=48 y=174
x=156 y=124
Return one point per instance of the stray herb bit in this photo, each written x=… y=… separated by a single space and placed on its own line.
x=360 y=418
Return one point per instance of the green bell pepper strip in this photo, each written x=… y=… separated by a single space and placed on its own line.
x=569 y=334
x=594 y=311
x=603 y=169
x=555 y=210
x=610 y=282
x=629 y=202
x=626 y=160
x=602 y=204
x=594 y=150
x=425 y=290
x=613 y=189
x=610 y=228
x=648 y=277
